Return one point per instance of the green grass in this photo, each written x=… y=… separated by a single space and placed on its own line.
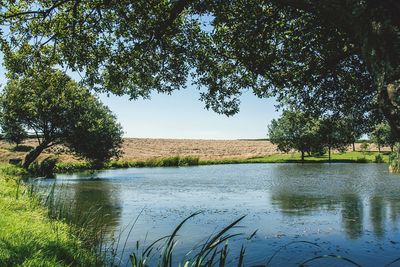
x=178 y=161
x=28 y=237
x=351 y=157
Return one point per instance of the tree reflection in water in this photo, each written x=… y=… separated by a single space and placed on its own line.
x=352 y=215
x=351 y=205
x=96 y=201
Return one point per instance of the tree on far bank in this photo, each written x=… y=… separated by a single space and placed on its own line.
x=335 y=133
x=59 y=111
x=298 y=131
x=293 y=130
x=382 y=135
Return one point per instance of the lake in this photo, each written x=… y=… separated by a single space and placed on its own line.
x=352 y=210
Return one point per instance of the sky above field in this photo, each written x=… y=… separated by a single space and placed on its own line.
x=182 y=115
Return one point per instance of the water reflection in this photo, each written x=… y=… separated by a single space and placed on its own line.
x=352 y=215
x=351 y=207
x=361 y=196
x=94 y=201
x=295 y=204
x=394 y=208
x=377 y=215
x=346 y=208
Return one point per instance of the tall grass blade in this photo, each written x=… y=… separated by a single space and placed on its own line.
x=330 y=256
x=241 y=256
x=129 y=233
x=285 y=246
x=394 y=261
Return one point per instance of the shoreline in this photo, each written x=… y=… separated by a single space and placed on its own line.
x=185 y=161
x=30 y=235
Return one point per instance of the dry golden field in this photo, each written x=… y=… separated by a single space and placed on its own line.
x=147 y=148
x=139 y=148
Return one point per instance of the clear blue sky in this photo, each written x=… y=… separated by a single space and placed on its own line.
x=182 y=115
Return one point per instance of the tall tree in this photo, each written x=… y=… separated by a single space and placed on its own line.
x=335 y=133
x=59 y=111
x=323 y=56
x=382 y=135
x=294 y=130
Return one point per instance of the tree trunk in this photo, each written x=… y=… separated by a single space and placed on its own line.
x=354 y=146
x=390 y=106
x=379 y=148
x=33 y=154
x=302 y=156
x=329 y=154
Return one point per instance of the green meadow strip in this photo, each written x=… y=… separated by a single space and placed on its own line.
x=182 y=161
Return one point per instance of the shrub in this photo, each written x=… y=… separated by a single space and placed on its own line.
x=394 y=160
x=361 y=160
x=72 y=166
x=189 y=161
x=46 y=168
x=169 y=162
x=22 y=148
x=379 y=158
x=364 y=147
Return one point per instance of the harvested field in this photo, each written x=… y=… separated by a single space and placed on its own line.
x=140 y=148
x=147 y=148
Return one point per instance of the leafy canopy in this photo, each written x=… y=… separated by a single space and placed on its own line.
x=13 y=132
x=298 y=131
x=382 y=135
x=59 y=111
x=325 y=57
x=294 y=130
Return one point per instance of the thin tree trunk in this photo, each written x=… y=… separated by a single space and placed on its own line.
x=302 y=156
x=34 y=154
x=329 y=154
x=389 y=106
x=354 y=146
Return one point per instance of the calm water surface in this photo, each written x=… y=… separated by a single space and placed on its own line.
x=351 y=210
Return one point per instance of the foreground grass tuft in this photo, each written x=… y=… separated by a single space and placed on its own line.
x=27 y=236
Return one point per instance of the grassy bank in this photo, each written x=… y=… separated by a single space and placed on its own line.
x=177 y=161
x=28 y=237
x=350 y=157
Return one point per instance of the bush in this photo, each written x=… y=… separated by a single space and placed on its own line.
x=189 y=161
x=379 y=158
x=318 y=151
x=361 y=160
x=394 y=160
x=364 y=147
x=46 y=168
x=169 y=162
x=22 y=148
